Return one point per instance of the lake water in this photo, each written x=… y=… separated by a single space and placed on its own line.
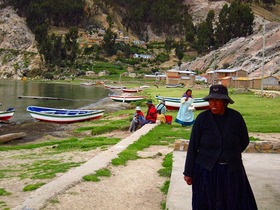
x=72 y=96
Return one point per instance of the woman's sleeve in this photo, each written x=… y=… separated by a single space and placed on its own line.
x=192 y=149
x=244 y=137
x=183 y=100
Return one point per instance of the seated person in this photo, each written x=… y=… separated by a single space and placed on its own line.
x=151 y=116
x=136 y=120
x=161 y=110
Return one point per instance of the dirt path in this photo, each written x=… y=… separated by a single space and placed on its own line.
x=135 y=186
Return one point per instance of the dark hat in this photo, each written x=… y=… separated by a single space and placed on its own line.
x=149 y=102
x=218 y=92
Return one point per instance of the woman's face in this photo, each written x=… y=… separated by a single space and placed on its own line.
x=217 y=106
x=189 y=93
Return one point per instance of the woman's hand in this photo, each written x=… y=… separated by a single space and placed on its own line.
x=188 y=180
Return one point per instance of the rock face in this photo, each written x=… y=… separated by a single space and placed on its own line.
x=246 y=53
x=200 y=8
x=18 y=52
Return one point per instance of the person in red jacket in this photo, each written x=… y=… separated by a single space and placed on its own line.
x=151 y=116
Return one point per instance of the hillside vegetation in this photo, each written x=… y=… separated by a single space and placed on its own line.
x=181 y=39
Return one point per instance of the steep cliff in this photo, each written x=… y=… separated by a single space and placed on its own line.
x=18 y=52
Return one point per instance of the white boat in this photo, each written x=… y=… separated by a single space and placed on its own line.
x=63 y=115
x=126 y=90
x=88 y=83
x=112 y=87
x=174 y=85
x=126 y=98
x=173 y=103
x=144 y=86
x=6 y=115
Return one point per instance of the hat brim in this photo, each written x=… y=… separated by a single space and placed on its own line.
x=218 y=96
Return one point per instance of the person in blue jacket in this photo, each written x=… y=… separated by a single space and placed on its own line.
x=213 y=164
x=185 y=116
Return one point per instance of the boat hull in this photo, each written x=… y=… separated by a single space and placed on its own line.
x=6 y=115
x=175 y=86
x=63 y=115
x=126 y=99
x=174 y=103
x=131 y=90
x=114 y=87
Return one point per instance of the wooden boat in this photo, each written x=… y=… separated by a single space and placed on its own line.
x=6 y=115
x=172 y=103
x=144 y=86
x=88 y=83
x=126 y=98
x=126 y=90
x=114 y=87
x=174 y=85
x=63 y=115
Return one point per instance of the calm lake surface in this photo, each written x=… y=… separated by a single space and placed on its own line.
x=72 y=96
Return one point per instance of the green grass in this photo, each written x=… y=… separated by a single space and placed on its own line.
x=260 y=114
x=3 y=192
x=32 y=187
x=166 y=172
x=70 y=144
x=163 y=134
x=165 y=187
x=3 y=206
x=106 y=126
x=46 y=169
x=167 y=166
x=95 y=176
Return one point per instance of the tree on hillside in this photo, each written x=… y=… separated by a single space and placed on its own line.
x=168 y=44
x=71 y=45
x=234 y=21
x=205 y=33
x=189 y=29
x=222 y=32
x=179 y=51
x=241 y=20
x=109 y=41
x=268 y=3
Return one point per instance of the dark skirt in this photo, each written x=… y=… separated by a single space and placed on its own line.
x=184 y=124
x=222 y=189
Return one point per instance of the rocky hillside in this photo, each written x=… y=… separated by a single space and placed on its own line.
x=246 y=53
x=242 y=52
x=18 y=52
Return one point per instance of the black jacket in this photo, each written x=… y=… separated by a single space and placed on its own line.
x=207 y=144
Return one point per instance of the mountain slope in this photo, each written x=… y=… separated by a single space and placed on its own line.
x=245 y=53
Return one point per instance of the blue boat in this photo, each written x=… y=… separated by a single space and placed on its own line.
x=63 y=115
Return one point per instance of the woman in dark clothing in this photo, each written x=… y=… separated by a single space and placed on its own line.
x=213 y=164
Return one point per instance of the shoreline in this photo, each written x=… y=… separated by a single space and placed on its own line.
x=37 y=129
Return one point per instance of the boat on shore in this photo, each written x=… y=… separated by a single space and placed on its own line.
x=173 y=103
x=175 y=85
x=6 y=115
x=63 y=115
x=126 y=90
x=112 y=87
x=88 y=83
x=125 y=98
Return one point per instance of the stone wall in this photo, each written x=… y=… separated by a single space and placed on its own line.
x=253 y=147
